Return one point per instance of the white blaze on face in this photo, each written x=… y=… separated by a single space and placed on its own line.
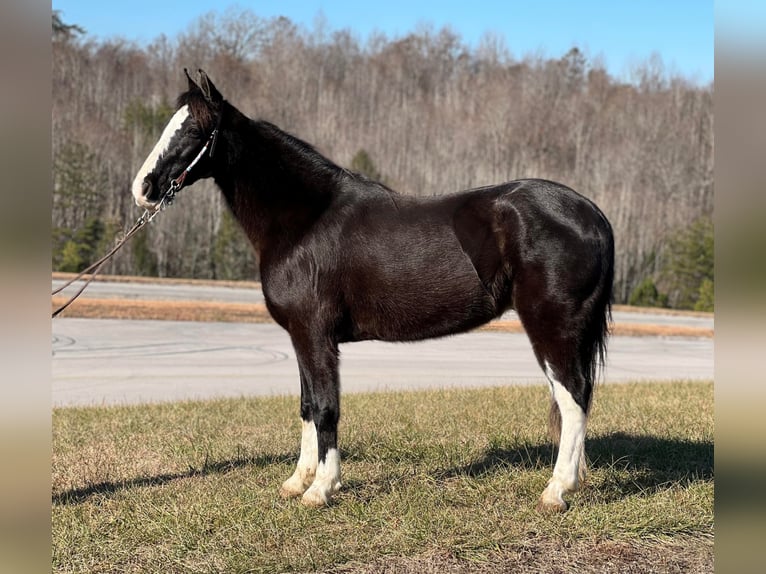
x=160 y=148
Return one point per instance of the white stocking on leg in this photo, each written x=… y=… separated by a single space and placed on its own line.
x=566 y=472
x=327 y=481
x=306 y=469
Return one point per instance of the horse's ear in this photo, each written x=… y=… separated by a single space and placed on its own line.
x=192 y=83
x=208 y=89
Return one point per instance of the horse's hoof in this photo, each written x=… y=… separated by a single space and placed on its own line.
x=315 y=498
x=290 y=491
x=551 y=506
x=296 y=484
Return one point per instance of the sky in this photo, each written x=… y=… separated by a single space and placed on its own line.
x=622 y=33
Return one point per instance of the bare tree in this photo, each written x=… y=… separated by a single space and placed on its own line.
x=436 y=116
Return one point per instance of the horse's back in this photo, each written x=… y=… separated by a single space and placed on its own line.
x=529 y=225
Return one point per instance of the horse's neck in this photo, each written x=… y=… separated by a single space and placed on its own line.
x=276 y=186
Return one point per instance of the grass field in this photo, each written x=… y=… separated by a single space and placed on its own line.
x=437 y=481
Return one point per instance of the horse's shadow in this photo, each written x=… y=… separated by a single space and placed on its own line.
x=632 y=463
x=109 y=488
x=651 y=464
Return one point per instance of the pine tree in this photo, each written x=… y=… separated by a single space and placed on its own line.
x=647 y=295
x=362 y=163
x=688 y=270
x=233 y=257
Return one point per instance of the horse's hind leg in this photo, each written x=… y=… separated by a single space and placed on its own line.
x=305 y=470
x=556 y=337
x=569 y=469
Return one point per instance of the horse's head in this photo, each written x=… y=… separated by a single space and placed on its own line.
x=183 y=154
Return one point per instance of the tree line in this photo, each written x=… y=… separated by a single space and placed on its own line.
x=424 y=112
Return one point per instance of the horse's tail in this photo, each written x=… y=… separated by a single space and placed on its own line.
x=594 y=352
x=596 y=330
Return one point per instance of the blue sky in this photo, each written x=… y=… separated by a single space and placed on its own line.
x=622 y=32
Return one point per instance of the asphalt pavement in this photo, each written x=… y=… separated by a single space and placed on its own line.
x=103 y=361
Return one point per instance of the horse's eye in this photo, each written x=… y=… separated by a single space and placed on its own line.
x=194 y=132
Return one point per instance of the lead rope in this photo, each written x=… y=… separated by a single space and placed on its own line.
x=146 y=217
x=92 y=270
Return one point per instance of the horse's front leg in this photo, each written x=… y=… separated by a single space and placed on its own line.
x=307 y=461
x=318 y=362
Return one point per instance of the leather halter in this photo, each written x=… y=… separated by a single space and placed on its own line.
x=177 y=183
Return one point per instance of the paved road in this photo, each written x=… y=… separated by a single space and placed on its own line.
x=99 y=361
x=163 y=292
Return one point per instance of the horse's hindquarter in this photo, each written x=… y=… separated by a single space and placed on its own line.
x=556 y=232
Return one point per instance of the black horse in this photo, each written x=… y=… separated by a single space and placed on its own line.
x=344 y=258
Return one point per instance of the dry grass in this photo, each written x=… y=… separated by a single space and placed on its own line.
x=663 y=311
x=683 y=556
x=257 y=313
x=437 y=481
x=165 y=310
x=624 y=329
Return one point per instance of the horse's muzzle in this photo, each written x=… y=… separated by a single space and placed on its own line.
x=144 y=199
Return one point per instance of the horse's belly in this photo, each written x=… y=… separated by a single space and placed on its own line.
x=407 y=309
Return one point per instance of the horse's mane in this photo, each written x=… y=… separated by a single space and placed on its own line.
x=201 y=109
x=305 y=150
